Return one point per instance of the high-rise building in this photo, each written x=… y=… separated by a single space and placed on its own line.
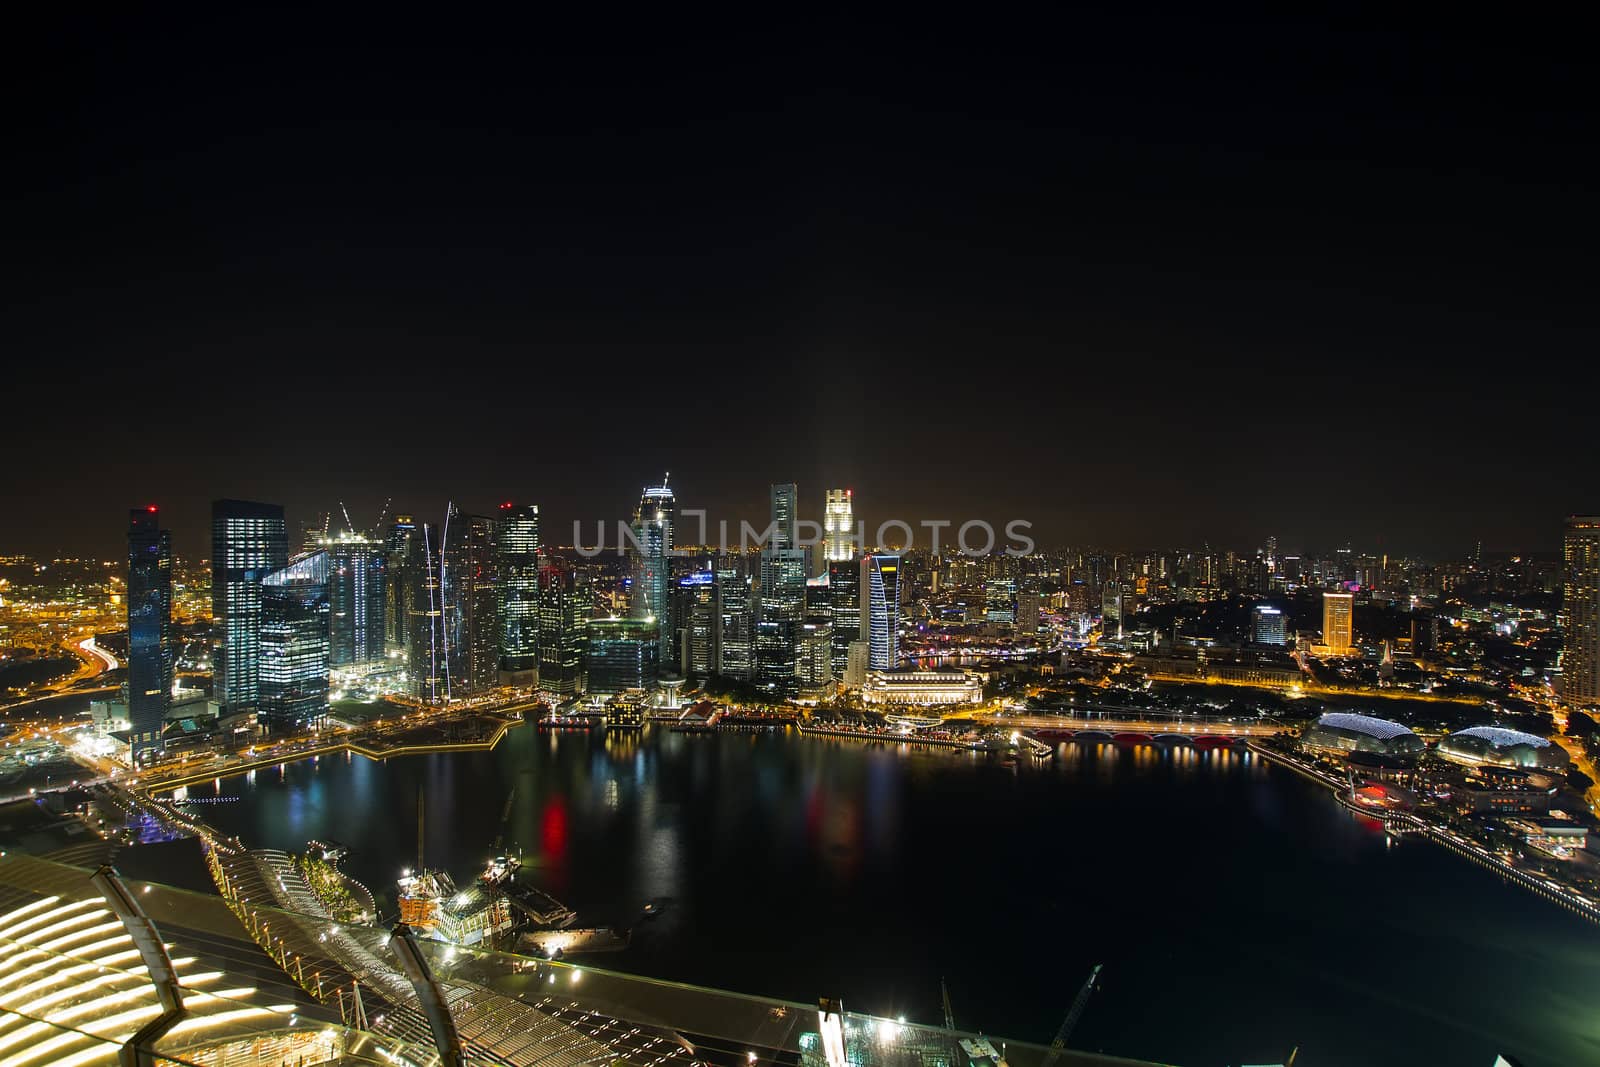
x=425 y=640
x=844 y=601
x=248 y=542
x=838 y=527
x=1028 y=607
x=517 y=548
x=563 y=616
x=295 y=652
x=622 y=654
x=814 y=656
x=785 y=513
x=652 y=551
x=782 y=595
x=1338 y=625
x=471 y=604
x=397 y=542
x=1580 y=611
x=695 y=609
x=1000 y=601
x=1268 y=626
x=880 y=610
x=151 y=646
x=735 y=639
x=358 y=595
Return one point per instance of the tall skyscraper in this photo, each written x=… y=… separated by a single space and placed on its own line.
x=880 y=610
x=248 y=542
x=844 y=600
x=785 y=511
x=735 y=640
x=471 y=604
x=295 y=646
x=838 y=527
x=695 y=609
x=1338 y=622
x=517 y=546
x=1000 y=601
x=401 y=586
x=151 y=647
x=425 y=638
x=563 y=616
x=814 y=652
x=652 y=574
x=1580 y=611
x=1268 y=626
x=358 y=595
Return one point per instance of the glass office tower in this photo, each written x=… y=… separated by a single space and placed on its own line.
x=844 y=600
x=652 y=549
x=563 y=615
x=880 y=610
x=517 y=565
x=295 y=646
x=1580 y=611
x=151 y=647
x=358 y=596
x=735 y=639
x=622 y=655
x=248 y=542
x=425 y=637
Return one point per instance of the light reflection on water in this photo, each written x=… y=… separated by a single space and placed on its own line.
x=1238 y=910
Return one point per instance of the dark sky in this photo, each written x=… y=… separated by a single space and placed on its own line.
x=1141 y=282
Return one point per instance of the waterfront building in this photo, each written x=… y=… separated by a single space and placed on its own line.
x=426 y=648
x=651 y=571
x=1338 y=733
x=517 y=566
x=151 y=645
x=397 y=616
x=563 y=616
x=358 y=595
x=838 y=527
x=1504 y=748
x=295 y=653
x=1269 y=626
x=1580 y=611
x=814 y=655
x=844 y=602
x=880 y=610
x=857 y=665
x=1338 y=633
x=471 y=604
x=909 y=687
x=735 y=620
x=622 y=654
x=248 y=542
x=695 y=608
x=781 y=605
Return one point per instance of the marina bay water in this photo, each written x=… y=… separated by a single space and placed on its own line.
x=1238 y=909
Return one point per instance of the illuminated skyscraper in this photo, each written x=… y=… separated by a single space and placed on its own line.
x=652 y=572
x=1338 y=626
x=622 y=655
x=1580 y=611
x=880 y=610
x=838 y=527
x=844 y=601
x=425 y=639
x=151 y=649
x=563 y=616
x=517 y=548
x=735 y=640
x=471 y=604
x=695 y=608
x=293 y=675
x=1000 y=601
x=248 y=542
x=782 y=594
x=358 y=575
x=785 y=508
x=1268 y=626
x=397 y=623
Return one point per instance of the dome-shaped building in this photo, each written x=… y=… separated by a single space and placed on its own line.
x=1339 y=733
x=1504 y=748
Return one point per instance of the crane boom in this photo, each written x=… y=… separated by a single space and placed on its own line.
x=1073 y=1015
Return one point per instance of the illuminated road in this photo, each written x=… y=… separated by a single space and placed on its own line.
x=88 y=646
x=1185 y=727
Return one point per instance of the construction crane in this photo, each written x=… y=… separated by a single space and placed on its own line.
x=1072 y=1018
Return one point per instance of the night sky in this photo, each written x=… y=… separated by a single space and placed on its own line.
x=1145 y=283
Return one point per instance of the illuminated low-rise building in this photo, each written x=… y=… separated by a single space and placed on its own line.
x=912 y=687
x=1504 y=748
